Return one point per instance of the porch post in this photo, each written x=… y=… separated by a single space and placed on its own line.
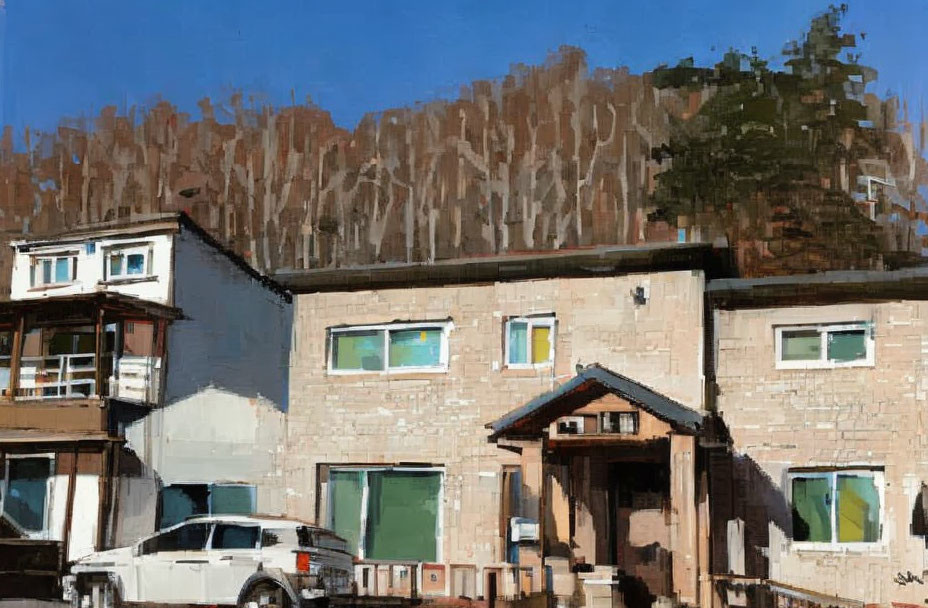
x=684 y=530
x=533 y=484
x=16 y=358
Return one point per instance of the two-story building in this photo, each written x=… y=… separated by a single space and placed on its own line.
x=143 y=373
x=822 y=382
x=587 y=366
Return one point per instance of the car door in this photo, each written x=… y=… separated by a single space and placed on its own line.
x=233 y=557
x=171 y=566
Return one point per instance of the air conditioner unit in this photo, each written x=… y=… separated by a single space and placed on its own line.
x=570 y=425
x=522 y=529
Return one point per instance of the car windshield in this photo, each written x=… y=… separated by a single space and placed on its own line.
x=188 y=537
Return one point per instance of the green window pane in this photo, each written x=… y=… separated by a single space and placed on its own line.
x=135 y=264
x=358 y=350
x=232 y=500
x=46 y=272
x=181 y=501
x=345 y=506
x=812 y=509
x=858 y=509
x=415 y=348
x=850 y=345
x=518 y=342
x=116 y=264
x=801 y=345
x=62 y=270
x=402 y=515
x=27 y=490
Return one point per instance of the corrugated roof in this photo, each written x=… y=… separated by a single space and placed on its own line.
x=593 y=382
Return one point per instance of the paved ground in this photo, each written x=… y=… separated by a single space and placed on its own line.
x=31 y=604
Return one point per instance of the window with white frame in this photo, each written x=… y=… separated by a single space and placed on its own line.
x=25 y=492
x=387 y=513
x=128 y=262
x=827 y=345
x=530 y=341
x=836 y=508
x=52 y=269
x=395 y=347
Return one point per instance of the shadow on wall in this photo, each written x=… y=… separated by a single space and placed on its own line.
x=741 y=490
x=135 y=509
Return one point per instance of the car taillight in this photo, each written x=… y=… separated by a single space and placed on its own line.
x=302 y=561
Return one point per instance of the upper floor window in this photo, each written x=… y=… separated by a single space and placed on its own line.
x=838 y=508
x=52 y=269
x=818 y=346
x=389 y=348
x=127 y=263
x=530 y=341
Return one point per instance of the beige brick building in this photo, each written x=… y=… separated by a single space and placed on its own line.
x=363 y=431
x=822 y=385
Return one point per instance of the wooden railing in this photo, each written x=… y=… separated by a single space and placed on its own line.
x=30 y=568
x=384 y=578
x=136 y=378
x=58 y=376
x=73 y=376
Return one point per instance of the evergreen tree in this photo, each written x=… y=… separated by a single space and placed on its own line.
x=769 y=159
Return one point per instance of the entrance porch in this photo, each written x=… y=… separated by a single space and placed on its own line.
x=622 y=514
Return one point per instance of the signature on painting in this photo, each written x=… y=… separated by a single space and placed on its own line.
x=905 y=579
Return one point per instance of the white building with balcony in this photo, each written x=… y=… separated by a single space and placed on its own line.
x=143 y=378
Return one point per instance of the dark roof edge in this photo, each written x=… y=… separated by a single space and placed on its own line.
x=824 y=288
x=593 y=262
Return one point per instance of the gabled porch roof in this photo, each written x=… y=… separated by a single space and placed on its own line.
x=591 y=383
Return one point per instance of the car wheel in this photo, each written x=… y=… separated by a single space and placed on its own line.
x=265 y=594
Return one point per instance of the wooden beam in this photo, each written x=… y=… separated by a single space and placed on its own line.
x=69 y=505
x=98 y=354
x=16 y=360
x=103 y=491
x=114 y=495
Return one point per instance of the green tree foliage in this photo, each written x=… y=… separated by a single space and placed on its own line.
x=769 y=158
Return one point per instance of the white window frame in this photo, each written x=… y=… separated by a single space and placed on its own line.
x=834 y=545
x=824 y=330
x=539 y=320
x=35 y=263
x=362 y=531
x=145 y=250
x=45 y=533
x=386 y=328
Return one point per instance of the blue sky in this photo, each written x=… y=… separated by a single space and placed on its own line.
x=70 y=58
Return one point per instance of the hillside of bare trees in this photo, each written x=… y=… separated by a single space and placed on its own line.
x=548 y=157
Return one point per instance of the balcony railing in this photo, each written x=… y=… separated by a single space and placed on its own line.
x=73 y=376
x=58 y=376
x=136 y=378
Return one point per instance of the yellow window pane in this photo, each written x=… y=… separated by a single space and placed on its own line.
x=541 y=344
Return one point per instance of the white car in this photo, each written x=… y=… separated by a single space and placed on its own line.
x=233 y=560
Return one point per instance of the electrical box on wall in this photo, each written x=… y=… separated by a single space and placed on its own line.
x=522 y=529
